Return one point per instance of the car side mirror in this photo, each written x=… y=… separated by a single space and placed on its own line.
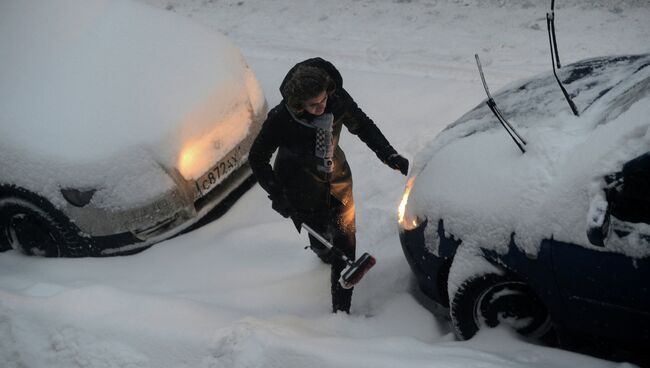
x=598 y=220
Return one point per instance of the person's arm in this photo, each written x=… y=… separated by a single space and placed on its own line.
x=359 y=124
x=266 y=142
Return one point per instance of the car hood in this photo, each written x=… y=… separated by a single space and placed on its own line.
x=96 y=83
x=475 y=178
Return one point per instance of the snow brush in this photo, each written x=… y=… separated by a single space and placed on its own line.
x=355 y=270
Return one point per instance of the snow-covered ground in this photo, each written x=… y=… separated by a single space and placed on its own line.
x=241 y=292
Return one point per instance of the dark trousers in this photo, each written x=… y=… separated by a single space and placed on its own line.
x=338 y=226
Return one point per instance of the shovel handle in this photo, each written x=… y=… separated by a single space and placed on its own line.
x=318 y=236
x=326 y=243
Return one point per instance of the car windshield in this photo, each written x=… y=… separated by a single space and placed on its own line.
x=535 y=99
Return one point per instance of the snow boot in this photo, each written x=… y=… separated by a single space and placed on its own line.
x=341 y=297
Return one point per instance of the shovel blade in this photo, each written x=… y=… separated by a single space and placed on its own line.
x=353 y=273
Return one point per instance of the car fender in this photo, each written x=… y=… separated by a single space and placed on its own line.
x=535 y=270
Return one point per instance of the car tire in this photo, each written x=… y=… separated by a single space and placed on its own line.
x=491 y=300
x=33 y=226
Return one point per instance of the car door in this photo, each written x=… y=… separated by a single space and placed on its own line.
x=606 y=284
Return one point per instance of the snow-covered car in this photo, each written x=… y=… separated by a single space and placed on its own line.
x=120 y=125
x=553 y=239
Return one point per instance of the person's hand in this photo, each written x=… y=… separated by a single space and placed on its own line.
x=398 y=162
x=282 y=206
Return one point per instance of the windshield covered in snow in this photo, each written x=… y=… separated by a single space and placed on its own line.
x=539 y=101
x=587 y=81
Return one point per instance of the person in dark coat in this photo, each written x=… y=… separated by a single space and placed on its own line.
x=311 y=181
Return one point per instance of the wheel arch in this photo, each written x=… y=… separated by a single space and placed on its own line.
x=502 y=264
x=466 y=287
x=78 y=243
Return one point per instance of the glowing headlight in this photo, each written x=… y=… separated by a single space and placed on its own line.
x=186 y=161
x=200 y=153
x=406 y=220
x=196 y=158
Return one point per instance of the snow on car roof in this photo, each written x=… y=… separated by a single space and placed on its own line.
x=475 y=178
x=95 y=82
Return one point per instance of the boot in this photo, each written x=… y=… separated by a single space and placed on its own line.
x=341 y=297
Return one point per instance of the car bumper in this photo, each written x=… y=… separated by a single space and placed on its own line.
x=137 y=239
x=123 y=231
x=430 y=270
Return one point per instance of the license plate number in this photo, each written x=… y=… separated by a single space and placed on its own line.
x=219 y=172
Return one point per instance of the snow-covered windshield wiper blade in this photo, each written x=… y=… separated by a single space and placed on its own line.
x=520 y=142
x=555 y=56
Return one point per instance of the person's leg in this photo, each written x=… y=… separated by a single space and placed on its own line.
x=324 y=253
x=344 y=239
x=319 y=221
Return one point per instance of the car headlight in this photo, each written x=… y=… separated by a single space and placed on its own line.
x=189 y=162
x=406 y=219
x=200 y=153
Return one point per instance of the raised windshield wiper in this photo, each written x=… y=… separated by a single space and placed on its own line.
x=555 y=56
x=520 y=142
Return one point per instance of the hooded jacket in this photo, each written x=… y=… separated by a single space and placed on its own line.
x=297 y=171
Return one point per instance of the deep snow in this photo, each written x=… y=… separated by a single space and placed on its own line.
x=241 y=292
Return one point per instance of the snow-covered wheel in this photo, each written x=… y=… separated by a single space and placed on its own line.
x=33 y=227
x=491 y=300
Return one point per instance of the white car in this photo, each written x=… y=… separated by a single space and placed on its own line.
x=120 y=125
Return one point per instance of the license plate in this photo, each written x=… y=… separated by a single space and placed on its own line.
x=219 y=172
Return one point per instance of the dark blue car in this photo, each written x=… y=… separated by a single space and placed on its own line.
x=551 y=242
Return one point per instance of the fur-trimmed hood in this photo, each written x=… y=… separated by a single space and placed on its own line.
x=320 y=63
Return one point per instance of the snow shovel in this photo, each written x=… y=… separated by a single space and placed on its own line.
x=355 y=270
